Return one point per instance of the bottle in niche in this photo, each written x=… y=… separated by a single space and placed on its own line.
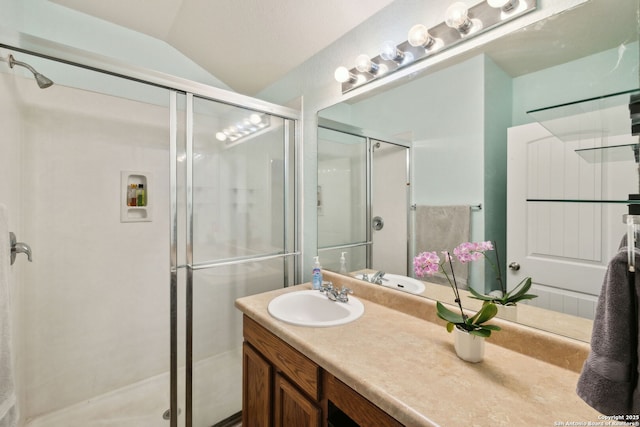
x=131 y=195
x=141 y=196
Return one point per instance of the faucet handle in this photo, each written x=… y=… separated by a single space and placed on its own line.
x=343 y=295
x=326 y=287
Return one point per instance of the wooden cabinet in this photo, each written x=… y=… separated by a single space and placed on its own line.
x=281 y=387
x=292 y=408
x=256 y=385
x=351 y=403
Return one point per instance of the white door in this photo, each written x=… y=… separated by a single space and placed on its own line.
x=563 y=246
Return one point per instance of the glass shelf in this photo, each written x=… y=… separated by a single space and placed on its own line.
x=613 y=153
x=601 y=116
x=626 y=202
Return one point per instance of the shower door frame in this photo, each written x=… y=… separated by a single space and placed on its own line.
x=35 y=46
x=190 y=265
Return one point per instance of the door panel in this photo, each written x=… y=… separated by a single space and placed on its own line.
x=390 y=201
x=563 y=245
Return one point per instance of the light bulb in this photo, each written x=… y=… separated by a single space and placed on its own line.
x=255 y=118
x=457 y=16
x=419 y=36
x=220 y=136
x=365 y=65
x=343 y=75
x=390 y=52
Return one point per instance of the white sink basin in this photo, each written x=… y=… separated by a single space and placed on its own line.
x=402 y=283
x=312 y=308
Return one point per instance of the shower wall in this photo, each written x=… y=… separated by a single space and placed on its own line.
x=91 y=311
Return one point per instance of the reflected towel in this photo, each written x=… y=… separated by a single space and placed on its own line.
x=442 y=228
x=609 y=377
x=8 y=412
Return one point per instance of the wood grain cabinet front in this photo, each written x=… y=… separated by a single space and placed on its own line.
x=256 y=389
x=281 y=387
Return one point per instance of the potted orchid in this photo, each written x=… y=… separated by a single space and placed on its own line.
x=505 y=300
x=470 y=330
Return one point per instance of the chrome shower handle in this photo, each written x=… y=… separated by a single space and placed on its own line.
x=18 y=248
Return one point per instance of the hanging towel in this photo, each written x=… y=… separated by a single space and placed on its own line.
x=609 y=378
x=442 y=228
x=8 y=410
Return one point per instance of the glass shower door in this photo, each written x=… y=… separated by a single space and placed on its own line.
x=343 y=199
x=240 y=236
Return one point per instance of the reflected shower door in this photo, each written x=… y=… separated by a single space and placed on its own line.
x=240 y=216
x=342 y=199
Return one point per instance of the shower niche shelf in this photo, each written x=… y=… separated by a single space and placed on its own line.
x=135 y=203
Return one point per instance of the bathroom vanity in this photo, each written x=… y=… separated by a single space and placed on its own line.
x=396 y=365
x=277 y=376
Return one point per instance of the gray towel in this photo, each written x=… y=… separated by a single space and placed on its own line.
x=608 y=381
x=442 y=228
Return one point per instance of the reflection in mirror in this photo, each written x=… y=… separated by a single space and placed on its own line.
x=474 y=138
x=355 y=168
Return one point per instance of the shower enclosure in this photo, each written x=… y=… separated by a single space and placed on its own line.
x=126 y=315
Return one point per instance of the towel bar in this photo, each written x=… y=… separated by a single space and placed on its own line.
x=472 y=207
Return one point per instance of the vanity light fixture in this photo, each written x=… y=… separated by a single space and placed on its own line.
x=243 y=128
x=419 y=37
x=457 y=17
x=504 y=5
x=390 y=52
x=366 y=65
x=461 y=23
x=343 y=75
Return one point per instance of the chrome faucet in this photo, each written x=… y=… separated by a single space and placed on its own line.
x=378 y=277
x=334 y=294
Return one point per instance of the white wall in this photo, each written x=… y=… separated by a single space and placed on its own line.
x=91 y=310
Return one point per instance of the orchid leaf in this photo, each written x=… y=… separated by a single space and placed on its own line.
x=477 y=295
x=485 y=313
x=517 y=292
x=448 y=315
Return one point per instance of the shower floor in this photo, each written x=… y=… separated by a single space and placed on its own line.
x=217 y=388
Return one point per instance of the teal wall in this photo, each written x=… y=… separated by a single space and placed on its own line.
x=498 y=94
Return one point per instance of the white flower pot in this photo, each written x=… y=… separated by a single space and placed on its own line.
x=468 y=347
x=508 y=312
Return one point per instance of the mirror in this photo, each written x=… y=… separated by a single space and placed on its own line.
x=453 y=120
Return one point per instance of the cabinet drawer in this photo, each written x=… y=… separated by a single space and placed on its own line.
x=300 y=369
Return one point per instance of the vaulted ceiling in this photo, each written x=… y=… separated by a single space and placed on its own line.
x=247 y=44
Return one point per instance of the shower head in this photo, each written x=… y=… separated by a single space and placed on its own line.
x=43 y=82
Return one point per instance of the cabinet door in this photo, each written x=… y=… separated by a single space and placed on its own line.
x=256 y=389
x=292 y=408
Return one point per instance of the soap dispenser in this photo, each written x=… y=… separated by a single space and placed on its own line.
x=316 y=281
x=343 y=264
